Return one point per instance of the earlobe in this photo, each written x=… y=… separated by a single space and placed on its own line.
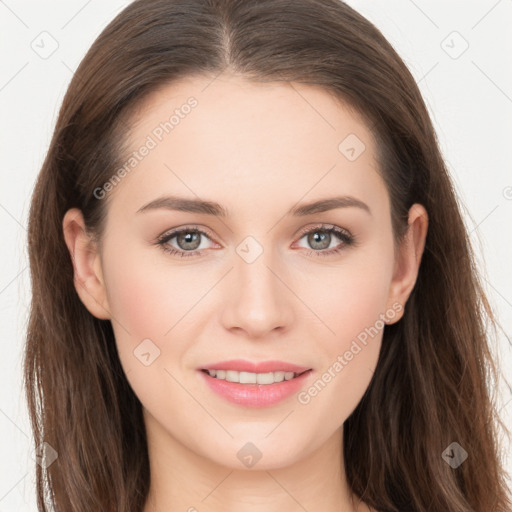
x=88 y=277
x=408 y=259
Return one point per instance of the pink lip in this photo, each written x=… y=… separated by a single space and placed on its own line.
x=241 y=365
x=256 y=395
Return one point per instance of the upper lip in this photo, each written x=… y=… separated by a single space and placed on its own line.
x=242 y=365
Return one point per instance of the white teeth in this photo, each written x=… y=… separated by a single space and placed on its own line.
x=232 y=376
x=279 y=376
x=246 y=378
x=252 y=378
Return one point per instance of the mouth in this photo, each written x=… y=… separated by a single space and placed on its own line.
x=242 y=377
x=256 y=389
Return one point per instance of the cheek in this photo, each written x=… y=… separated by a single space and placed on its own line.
x=149 y=297
x=353 y=310
x=146 y=301
x=353 y=297
x=355 y=317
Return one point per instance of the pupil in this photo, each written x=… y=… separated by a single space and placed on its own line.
x=319 y=237
x=185 y=239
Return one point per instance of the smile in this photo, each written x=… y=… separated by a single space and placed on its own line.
x=253 y=378
x=261 y=390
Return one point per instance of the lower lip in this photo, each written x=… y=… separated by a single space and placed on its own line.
x=256 y=395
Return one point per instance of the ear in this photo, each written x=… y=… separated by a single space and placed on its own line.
x=408 y=259
x=88 y=277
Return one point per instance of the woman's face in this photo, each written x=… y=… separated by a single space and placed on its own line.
x=264 y=282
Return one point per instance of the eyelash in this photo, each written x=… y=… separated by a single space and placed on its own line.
x=347 y=240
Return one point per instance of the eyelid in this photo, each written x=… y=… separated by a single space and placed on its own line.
x=321 y=225
x=188 y=227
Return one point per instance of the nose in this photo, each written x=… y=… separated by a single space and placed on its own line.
x=259 y=298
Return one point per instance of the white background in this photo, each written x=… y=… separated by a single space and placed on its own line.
x=469 y=98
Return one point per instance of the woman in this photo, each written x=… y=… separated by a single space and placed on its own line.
x=252 y=285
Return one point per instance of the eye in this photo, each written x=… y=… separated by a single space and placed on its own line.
x=321 y=237
x=188 y=241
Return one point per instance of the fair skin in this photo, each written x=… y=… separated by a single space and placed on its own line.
x=258 y=150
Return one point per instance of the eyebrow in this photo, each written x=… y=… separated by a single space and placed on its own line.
x=212 y=208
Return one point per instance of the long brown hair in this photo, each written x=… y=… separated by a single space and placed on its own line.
x=433 y=382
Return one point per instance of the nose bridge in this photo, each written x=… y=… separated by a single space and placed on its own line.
x=255 y=258
x=260 y=302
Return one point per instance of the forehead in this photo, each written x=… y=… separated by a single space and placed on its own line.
x=233 y=102
x=230 y=139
